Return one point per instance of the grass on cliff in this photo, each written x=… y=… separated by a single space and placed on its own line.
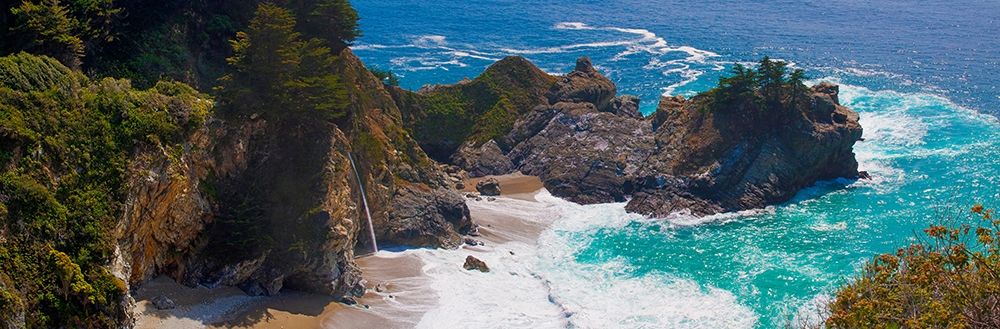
x=65 y=141
x=950 y=279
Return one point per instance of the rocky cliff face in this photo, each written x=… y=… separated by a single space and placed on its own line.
x=589 y=145
x=265 y=203
x=744 y=156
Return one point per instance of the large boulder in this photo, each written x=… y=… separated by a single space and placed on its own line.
x=488 y=187
x=422 y=217
x=584 y=84
x=482 y=160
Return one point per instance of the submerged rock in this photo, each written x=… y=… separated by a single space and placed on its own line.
x=473 y=263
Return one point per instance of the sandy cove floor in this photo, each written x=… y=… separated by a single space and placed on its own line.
x=406 y=296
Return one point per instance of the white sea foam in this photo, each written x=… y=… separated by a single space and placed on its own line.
x=539 y=284
x=608 y=295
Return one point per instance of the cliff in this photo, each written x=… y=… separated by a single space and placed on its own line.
x=136 y=184
x=274 y=201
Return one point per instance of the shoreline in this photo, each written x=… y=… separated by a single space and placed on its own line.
x=402 y=286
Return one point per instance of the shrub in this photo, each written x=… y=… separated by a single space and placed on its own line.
x=66 y=142
x=951 y=279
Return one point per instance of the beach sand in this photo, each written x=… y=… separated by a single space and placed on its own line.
x=406 y=292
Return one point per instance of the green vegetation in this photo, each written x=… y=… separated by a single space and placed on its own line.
x=274 y=70
x=59 y=29
x=387 y=77
x=65 y=141
x=478 y=110
x=951 y=279
x=768 y=86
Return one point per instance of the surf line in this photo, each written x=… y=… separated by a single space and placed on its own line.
x=364 y=200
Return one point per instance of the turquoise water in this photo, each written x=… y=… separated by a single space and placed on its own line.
x=921 y=77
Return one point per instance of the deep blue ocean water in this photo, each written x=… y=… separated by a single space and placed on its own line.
x=922 y=74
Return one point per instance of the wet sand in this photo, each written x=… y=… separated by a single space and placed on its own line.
x=404 y=298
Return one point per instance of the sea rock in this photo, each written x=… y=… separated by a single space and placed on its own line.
x=583 y=84
x=713 y=160
x=163 y=303
x=482 y=160
x=582 y=154
x=473 y=263
x=489 y=187
x=425 y=218
x=626 y=106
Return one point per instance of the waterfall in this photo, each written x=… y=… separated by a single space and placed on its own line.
x=364 y=199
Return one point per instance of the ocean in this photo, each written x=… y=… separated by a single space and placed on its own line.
x=922 y=74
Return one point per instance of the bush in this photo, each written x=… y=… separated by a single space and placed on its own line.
x=949 y=280
x=66 y=142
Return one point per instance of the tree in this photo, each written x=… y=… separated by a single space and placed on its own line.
x=771 y=79
x=334 y=21
x=796 y=85
x=741 y=83
x=274 y=70
x=63 y=30
x=51 y=30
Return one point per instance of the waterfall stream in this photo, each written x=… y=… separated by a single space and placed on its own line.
x=364 y=199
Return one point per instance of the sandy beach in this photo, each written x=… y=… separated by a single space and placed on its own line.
x=401 y=285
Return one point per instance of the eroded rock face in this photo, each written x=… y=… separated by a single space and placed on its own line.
x=584 y=84
x=263 y=202
x=582 y=154
x=422 y=217
x=482 y=160
x=744 y=157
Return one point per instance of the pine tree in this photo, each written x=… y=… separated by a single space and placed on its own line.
x=796 y=85
x=273 y=70
x=334 y=21
x=771 y=79
x=50 y=30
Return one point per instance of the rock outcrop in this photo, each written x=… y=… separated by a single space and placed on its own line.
x=742 y=156
x=482 y=160
x=589 y=145
x=262 y=202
